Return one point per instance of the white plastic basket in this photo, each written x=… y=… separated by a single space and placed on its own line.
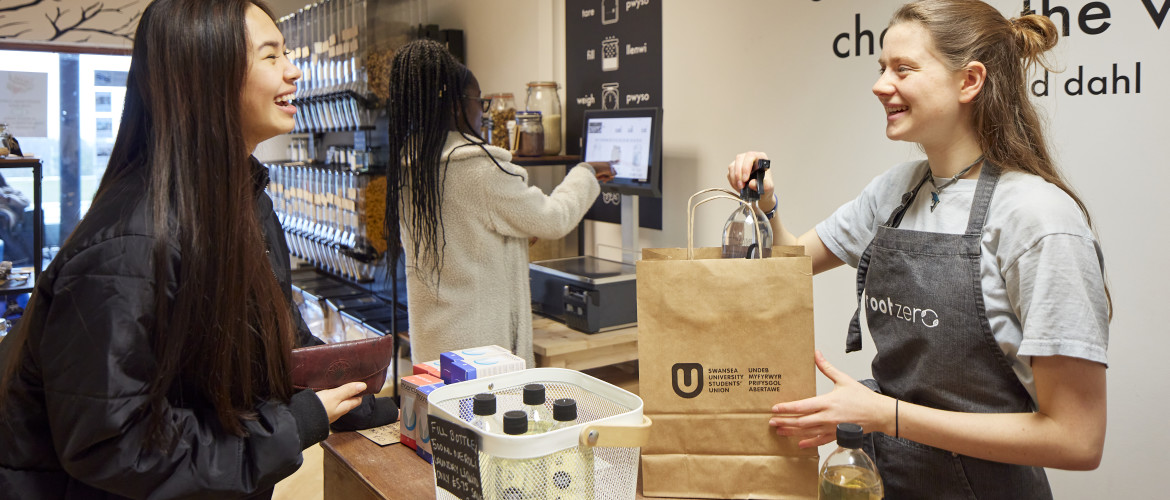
x=596 y=459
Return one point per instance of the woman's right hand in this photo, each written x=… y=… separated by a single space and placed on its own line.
x=341 y=400
x=603 y=170
x=740 y=170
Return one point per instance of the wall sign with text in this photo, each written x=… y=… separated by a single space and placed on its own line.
x=613 y=60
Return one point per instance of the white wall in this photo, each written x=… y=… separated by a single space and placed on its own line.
x=760 y=74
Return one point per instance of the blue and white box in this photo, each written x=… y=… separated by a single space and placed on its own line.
x=414 y=407
x=422 y=403
x=479 y=362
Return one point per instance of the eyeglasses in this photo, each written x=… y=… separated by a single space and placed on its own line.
x=484 y=102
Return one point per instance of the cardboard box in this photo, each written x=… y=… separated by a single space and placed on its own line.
x=479 y=362
x=428 y=368
x=414 y=406
x=422 y=404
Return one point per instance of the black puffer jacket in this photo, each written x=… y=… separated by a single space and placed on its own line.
x=75 y=424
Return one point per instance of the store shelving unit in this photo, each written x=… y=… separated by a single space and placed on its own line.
x=34 y=165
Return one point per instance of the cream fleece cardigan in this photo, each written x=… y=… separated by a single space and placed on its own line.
x=481 y=295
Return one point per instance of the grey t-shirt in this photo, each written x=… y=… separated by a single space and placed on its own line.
x=1041 y=266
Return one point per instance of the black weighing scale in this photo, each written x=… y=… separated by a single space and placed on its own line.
x=588 y=294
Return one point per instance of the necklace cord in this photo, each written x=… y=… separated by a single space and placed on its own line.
x=952 y=180
x=934 y=199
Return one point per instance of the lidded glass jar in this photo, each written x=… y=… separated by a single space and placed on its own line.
x=486 y=123
x=529 y=134
x=542 y=97
x=501 y=110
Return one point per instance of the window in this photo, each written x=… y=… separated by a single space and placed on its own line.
x=80 y=108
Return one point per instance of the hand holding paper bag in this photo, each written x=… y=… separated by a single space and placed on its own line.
x=814 y=420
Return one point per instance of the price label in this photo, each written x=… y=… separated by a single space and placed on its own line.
x=384 y=435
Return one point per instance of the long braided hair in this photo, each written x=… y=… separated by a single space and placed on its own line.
x=426 y=97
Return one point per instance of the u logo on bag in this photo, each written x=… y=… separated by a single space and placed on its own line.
x=687 y=379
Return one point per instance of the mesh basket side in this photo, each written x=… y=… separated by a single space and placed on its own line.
x=573 y=474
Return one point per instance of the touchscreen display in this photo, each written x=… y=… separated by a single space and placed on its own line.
x=624 y=142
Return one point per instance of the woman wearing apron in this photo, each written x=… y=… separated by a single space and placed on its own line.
x=978 y=274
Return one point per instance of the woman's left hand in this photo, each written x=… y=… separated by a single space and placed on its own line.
x=814 y=420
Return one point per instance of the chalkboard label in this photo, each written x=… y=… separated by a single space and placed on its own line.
x=456 y=455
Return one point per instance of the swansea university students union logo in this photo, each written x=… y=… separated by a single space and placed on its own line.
x=687 y=379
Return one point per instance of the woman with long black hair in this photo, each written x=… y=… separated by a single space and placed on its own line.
x=464 y=212
x=153 y=359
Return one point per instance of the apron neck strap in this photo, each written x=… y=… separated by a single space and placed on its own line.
x=988 y=179
x=895 y=219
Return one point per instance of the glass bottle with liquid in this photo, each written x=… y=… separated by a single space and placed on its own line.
x=543 y=98
x=739 y=233
x=540 y=419
x=483 y=410
x=570 y=472
x=517 y=479
x=848 y=473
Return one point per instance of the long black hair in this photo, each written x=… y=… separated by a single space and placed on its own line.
x=226 y=335
x=427 y=88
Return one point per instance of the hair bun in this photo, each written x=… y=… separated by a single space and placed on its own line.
x=1035 y=35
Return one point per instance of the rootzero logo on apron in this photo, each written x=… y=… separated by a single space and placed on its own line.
x=911 y=314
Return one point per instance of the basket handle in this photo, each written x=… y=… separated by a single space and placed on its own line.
x=617 y=436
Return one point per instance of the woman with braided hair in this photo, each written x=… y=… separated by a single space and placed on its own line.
x=463 y=212
x=979 y=274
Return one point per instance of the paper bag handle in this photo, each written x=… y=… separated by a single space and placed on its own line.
x=691 y=206
x=617 y=436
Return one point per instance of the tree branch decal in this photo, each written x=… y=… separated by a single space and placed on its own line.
x=18 y=7
x=60 y=29
x=10 y=24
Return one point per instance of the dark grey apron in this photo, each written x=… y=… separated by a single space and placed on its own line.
x=935 y=348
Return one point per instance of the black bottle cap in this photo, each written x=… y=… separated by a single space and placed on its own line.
x=515 y=422
x=534 y=394
x=564 y=410
x=484 y=404
x=849 y=435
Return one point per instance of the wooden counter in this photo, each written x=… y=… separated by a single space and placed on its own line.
x=558 y=346
x=357 y=469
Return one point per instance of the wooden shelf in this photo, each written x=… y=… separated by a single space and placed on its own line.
x=533 y=161
x=559 y=346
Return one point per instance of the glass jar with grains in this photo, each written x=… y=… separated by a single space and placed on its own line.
x=542 y=97
x=501 y=110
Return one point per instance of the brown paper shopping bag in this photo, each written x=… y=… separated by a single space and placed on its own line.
x=719 y=342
